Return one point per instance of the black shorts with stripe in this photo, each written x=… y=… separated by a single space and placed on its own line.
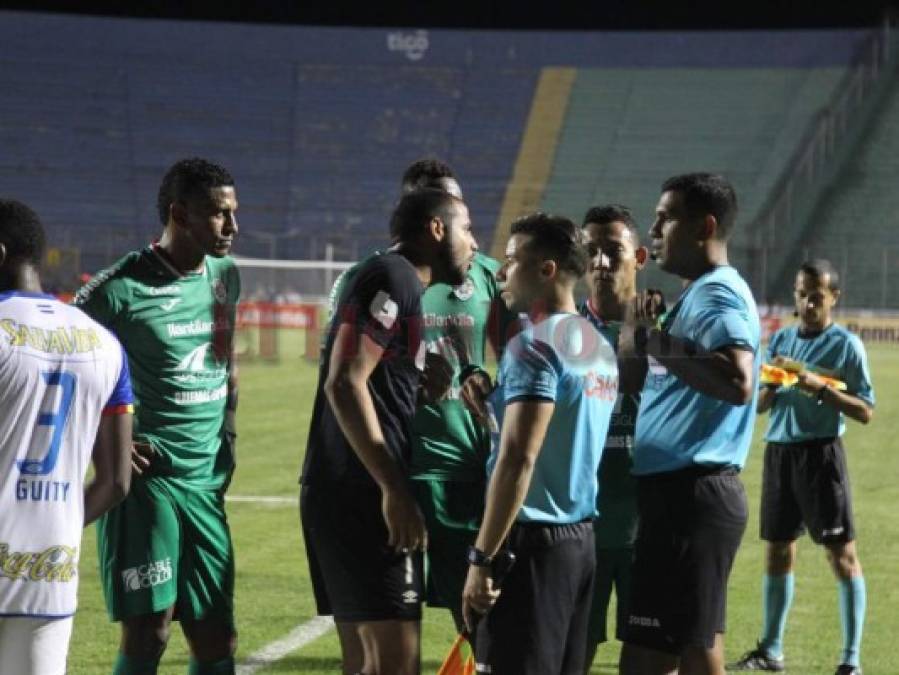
x=355 y=575
x=805 y=486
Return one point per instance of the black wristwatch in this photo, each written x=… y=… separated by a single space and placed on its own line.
x=478 y=558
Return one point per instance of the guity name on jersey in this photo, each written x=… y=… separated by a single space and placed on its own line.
x=38 y=490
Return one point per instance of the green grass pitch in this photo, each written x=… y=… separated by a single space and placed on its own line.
x=273 y=592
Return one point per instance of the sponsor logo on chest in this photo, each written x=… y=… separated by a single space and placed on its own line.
x=196 y=327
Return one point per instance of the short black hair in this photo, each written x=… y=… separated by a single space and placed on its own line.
x=613 y=213
x=425 y=173
x=706 y=193
x=818 y=268
x=416 y=209
x=21 y=233
x=556 y=238
x=189 y=178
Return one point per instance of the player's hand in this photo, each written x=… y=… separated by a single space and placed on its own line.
x=478 y=595
x=810 y=383
x=437 y=377
x=475 y=390
x=142 y=454
x=405 y=523
x=646 y=308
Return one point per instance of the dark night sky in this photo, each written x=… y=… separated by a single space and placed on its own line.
x=540 y=14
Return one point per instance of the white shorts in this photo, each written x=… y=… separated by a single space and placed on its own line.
x=34 y=646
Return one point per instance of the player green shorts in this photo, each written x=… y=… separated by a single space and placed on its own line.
x=452 y=511
x=167 y=545
x=613 y=570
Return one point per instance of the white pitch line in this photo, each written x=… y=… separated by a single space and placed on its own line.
x=300 y=636
x=251 y=499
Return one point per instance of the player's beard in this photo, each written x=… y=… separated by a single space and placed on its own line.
x=452 y=272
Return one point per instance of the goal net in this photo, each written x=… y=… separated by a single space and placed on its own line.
x=283 y=306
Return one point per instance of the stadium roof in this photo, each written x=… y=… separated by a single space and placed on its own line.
x=497 y=14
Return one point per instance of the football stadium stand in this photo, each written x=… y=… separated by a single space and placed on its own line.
x=317 y=124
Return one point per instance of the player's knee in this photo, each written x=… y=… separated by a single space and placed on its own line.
x=398 y=655
x=844 y=560
x=146 y=640
x=779 y=558
x=212 y=644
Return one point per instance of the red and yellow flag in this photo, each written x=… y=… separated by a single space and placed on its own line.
x=788 y=376
x=459 y=660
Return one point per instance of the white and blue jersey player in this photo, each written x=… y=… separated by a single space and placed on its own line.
x=63 y=384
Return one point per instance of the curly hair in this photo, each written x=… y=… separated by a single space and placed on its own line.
x=187 y=179
x=21 y=232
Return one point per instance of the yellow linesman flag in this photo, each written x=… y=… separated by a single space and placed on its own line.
x=460 y=660
x=787 y=377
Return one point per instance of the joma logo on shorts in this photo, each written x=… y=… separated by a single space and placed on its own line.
x=644 y=621
x=145 y=576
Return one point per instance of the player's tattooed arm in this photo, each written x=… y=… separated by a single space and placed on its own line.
x=354 y=357
x=112 y=466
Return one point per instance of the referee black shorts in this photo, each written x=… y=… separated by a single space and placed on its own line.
x=539 y=623
x=355 y=575
x=691 y=525
x=806 y=485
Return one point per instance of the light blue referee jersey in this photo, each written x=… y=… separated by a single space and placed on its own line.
x=562 y=359
x=677 y=426
x=834 y=352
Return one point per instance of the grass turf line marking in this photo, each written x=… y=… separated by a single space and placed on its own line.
x=299 y=637
x=252 y=499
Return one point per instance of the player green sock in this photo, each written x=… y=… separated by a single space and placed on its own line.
x=778 y=596
x=131 y=665
x=223 y=667
x=853 y=600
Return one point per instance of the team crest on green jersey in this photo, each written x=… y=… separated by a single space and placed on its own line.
x=219 y=292
x=465 y=290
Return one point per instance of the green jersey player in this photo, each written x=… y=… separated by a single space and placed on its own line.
x=616 y=256
x=449 y=447
x=166 y=550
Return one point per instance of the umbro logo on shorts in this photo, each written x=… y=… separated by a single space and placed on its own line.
x=145 y=576
x=644 y=621
x=410 y=597
x=483 y=668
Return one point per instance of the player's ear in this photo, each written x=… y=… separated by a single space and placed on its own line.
x=834 y=292
x=642 y=255
x=437 y=228
x=178 y=214
x=709 y=227
x=548 y=268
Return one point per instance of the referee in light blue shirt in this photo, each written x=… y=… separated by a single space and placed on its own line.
x=805 y=484
x=549 y=416
x=693 y=432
